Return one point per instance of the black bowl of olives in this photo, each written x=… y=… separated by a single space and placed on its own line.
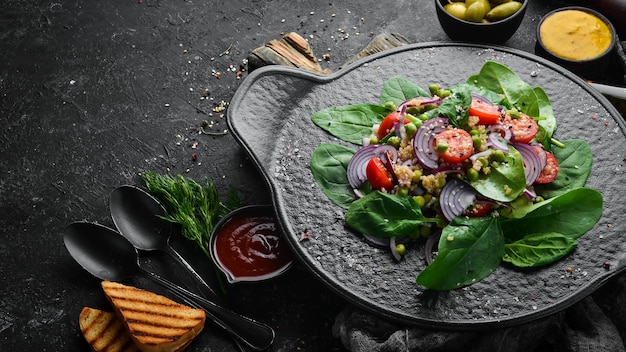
x=480 y=21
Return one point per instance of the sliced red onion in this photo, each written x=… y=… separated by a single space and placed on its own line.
x=423 y=142
x=498 y=142
x=530 y=192
x=383 y=242
x=419 y=101
x=449 y=169
x=394 y=249
x=357 y=165
x=480 y=98
x=534 y=163
x=484 y=153
x=456 y=196
x=504 y=131
x=429 y=247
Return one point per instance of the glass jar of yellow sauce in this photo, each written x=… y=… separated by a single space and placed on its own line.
x=575 y=34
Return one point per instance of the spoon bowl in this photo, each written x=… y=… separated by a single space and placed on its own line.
x=107 y=255
x=140 y=218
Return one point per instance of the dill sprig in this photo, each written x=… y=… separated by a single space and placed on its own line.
x=196 y=208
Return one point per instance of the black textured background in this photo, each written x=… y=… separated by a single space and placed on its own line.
x=92 y=93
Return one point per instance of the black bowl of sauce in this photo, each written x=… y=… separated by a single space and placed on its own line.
x=247 y=245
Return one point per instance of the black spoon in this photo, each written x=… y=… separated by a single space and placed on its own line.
x=138 y=217
x=107 y=255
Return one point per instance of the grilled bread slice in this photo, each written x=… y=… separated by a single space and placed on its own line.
x=105 y=332
x=155 y=323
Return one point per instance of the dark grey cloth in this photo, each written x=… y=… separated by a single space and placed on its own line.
x=597 y=323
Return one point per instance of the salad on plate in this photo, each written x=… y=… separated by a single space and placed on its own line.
x=472 y=170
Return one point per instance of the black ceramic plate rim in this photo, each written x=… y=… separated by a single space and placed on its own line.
x=362 y=302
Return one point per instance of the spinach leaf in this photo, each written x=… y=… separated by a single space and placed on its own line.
x=575 y=161
x=538 y=249
x=571 y=214
x=397 y=89
x=328 y=165
x=505 y=181
x=518 y=208
x=455 y=106
x=385 y=215
x=547 y=121
x=350 y=123
x=470 y=249
x=502 y=80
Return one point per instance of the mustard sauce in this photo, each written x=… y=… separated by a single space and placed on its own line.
x=575 y=35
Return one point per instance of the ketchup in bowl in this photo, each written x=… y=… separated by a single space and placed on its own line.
x=246 y=245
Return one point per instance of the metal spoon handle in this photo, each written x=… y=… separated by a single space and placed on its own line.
x=203 y=286
x=256 y=335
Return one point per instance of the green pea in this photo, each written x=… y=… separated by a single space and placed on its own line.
x=394 y=141
x=417 y=175
x=401 y=249
x=497 y=155
x=441 y=147
x=477 y=141
x=419 y=200
x=374 y=140
x=503 y=11
x=390 y=105
x=483 y=161
x=472 y=175
x=410 y=129
x=434 y=88
x=402 y=191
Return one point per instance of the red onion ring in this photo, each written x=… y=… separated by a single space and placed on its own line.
x=424 y=139
x=534 y=163
x=498 y=142
x=504 y=131
x=356 y=169
x=456 y=196
x=429 y=247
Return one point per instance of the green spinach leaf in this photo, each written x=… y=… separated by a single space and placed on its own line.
x=328 y=165
x=470 y=249
x=385 y=215
x=575 y=161
x=547 y=120
x=350 y=123
x=502 y=80
x=506 y=180
x=538 y=249
x=397 y=89
x=571 y=214
x=455 y=106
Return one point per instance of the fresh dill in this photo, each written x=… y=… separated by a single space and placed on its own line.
x=195 y=207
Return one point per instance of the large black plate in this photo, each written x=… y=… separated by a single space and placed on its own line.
x=270 y=117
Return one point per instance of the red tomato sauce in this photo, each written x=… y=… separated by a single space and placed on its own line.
x=251 y=246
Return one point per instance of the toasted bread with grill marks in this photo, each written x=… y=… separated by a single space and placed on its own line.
x=105 y=332
x=156 y=323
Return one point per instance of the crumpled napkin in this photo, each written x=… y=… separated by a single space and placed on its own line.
x=597 y=323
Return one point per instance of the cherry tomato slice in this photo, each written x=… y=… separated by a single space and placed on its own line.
x=387 y=124
x=378 y=175
x=487 y=114
x=459 y=145
x=524 y=128
x=550 y=172
x=478 y=210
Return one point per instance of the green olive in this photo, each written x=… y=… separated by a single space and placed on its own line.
x=456 y=9
x=484 y=2
x=498 y=2
x=503 y=11
x=475 y=12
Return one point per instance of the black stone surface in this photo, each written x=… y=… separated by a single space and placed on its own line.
x=92 y=93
